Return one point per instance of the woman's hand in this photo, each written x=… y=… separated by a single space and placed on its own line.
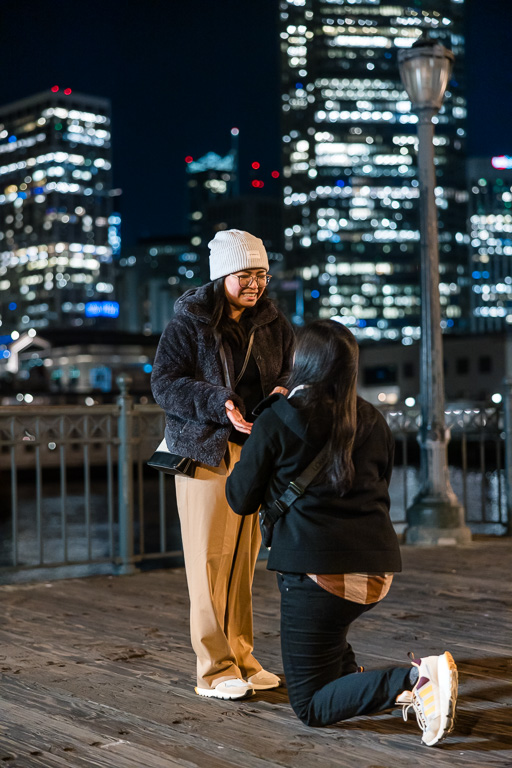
x=279 y=391
x=236 y=418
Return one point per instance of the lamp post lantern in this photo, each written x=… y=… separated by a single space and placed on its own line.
x=435 y=516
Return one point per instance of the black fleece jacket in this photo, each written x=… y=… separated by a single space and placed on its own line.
x=188 y=381
x=323 y=531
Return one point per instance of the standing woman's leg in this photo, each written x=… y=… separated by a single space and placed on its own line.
x=239 y=620
x=209 y=531
x=314 y=626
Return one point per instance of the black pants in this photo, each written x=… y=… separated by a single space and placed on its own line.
x=319 y=664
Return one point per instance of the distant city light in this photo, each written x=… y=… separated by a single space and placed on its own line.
x=102 y=309
x=255 y=165
x=496 y=398
x=410 y=402
x=502 y=162
x=189 y=159
x=67 y=91
x=12 y=306
x=235 y=131
x=55 y=88
x=258 y=183
x=275 y=174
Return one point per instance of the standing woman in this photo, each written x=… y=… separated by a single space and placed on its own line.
x=208 y=419
x=335 y=548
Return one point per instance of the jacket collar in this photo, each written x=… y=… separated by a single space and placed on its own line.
x=309 y=431
x=198 y=304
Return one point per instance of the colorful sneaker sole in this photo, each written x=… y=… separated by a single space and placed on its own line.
x=448 y=684
x=214 y=693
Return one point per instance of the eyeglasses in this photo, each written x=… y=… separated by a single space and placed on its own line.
x=245 y=282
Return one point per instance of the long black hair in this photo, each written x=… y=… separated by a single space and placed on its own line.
x=326 y=361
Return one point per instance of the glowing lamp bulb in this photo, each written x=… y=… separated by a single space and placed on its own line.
x=255 y=165
x=55 y=88
x=275 y=174
x=68 y=91
x=189 y=159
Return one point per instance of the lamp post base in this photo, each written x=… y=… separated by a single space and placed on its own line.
x=433 y=521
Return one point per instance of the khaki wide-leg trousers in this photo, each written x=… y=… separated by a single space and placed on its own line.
x=220 y=550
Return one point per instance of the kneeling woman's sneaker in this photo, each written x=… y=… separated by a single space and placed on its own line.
x=434 y=696
x=229 y=689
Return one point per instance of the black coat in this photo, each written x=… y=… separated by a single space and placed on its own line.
x=187 y=379
x=323 y=531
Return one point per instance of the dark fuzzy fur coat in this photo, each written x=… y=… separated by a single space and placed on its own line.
x=188 y=382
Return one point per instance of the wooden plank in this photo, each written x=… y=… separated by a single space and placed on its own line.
x=100 y=672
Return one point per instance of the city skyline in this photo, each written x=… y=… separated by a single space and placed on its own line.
x=175 y=99
x=351 y=192
x=58 y=229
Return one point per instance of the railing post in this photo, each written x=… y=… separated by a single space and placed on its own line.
x=508 y=450
x=125 y=476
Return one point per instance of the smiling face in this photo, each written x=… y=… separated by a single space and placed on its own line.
x=241 y=298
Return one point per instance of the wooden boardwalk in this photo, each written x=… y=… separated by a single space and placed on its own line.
x=99 y=672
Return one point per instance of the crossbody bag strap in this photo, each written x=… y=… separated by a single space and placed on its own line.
x=296 y=488
x=247 y=356
x=225 y=368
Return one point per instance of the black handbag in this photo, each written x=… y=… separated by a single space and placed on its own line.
x=173 y=464
x=269 y=516
x=170 y=463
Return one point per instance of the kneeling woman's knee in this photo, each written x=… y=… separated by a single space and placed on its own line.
x=305 y=714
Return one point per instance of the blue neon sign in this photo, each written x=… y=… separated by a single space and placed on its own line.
x=102 y=309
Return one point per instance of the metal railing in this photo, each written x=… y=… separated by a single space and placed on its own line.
x=477 y=451
x=76 y=494
x=75 y=491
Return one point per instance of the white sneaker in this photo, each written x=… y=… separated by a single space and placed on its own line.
x=264 y=681
x=229 y=689
x=434 y=696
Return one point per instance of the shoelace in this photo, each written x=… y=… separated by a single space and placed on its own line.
x=418 y=711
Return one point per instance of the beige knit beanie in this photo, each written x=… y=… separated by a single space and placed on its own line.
x=232 y=250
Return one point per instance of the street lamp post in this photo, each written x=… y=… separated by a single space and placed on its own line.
x=435 y=516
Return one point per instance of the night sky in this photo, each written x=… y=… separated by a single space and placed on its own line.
x=181 y=74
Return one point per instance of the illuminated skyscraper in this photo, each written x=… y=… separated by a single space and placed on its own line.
x=490 y=239
x=57 y=229
x=349 y=145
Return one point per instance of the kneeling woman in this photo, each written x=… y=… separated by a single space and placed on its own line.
x=335 y=549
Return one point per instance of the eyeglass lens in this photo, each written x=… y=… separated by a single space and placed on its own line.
x=261 y=280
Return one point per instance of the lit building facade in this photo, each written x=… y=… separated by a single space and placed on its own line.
x=490 y=242
x=349 y=164
x=58 y=232
x=150 y=277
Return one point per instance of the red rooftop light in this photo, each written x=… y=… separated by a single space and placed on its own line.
x=68 y=91
x=255 y=165
x=258 y=183
x=189 y=159
x=275 y=174
x=55 y=88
